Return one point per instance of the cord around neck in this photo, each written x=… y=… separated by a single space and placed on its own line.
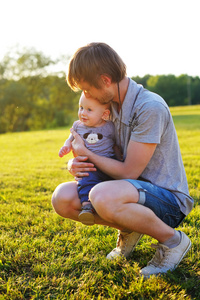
x=120 y=119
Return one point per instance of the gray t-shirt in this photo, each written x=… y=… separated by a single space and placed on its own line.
x=99 y=140
x=146 y=118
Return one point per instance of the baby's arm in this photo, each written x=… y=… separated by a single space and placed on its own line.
x=67 y=147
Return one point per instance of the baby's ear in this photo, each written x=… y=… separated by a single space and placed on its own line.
x=106 y=115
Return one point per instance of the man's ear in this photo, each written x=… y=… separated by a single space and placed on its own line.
x=106 y=114
x=106 y=80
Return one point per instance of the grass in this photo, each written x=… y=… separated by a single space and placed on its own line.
x=43 y=256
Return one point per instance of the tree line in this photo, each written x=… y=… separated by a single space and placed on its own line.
x=33 y=96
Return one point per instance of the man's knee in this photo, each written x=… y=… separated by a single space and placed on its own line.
x=57 y=198
x=63 y=198
x=98 y=194
x=101 y=198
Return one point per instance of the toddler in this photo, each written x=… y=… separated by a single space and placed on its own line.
x=98 y=134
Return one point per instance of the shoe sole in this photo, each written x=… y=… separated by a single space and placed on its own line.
x=86 y=218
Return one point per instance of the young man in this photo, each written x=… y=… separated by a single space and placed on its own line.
x=149 y=194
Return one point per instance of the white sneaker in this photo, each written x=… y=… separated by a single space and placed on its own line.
x=126 y=242
x=166 y=259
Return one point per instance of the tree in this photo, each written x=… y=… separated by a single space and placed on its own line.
x=14 y=107
x=142 y=80
x=26 y=62
x=172 y=89
x=195 y=90
x=33 y=96
x=30 y=96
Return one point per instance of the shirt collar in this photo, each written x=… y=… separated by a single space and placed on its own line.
x=132 y=91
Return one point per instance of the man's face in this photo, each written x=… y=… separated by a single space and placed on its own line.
x=102 y=94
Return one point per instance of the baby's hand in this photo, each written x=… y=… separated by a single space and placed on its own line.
x=64 y=150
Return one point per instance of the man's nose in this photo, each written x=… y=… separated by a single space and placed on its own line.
x=87 y=95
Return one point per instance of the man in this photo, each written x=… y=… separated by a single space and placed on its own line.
x=149 y=193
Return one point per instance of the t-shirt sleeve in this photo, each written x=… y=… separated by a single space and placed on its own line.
x=149 y=123
x=75 y=125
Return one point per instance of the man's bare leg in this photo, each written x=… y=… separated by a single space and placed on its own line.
x=116 y=205
x=116 y=202
x=67 y=204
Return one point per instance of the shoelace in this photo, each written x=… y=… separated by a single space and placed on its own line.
x=160 y=257
x=121 y=241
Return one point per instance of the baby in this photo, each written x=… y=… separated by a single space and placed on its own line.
x=99 y=136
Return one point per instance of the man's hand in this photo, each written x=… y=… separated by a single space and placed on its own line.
x=78 y=146
x=78 y=167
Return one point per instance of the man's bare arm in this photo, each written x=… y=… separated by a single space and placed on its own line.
x=137 y=158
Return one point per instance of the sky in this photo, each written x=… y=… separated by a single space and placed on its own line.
x=152 y=36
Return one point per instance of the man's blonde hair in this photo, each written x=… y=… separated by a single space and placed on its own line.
x=93 y=60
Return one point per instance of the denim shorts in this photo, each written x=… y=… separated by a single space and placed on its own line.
x=161 y=201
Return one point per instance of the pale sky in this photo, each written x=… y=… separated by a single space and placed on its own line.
x=152 y=36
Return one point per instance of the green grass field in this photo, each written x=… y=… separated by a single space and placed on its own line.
x=43 y=256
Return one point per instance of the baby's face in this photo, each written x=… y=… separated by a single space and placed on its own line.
x=91 y=111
